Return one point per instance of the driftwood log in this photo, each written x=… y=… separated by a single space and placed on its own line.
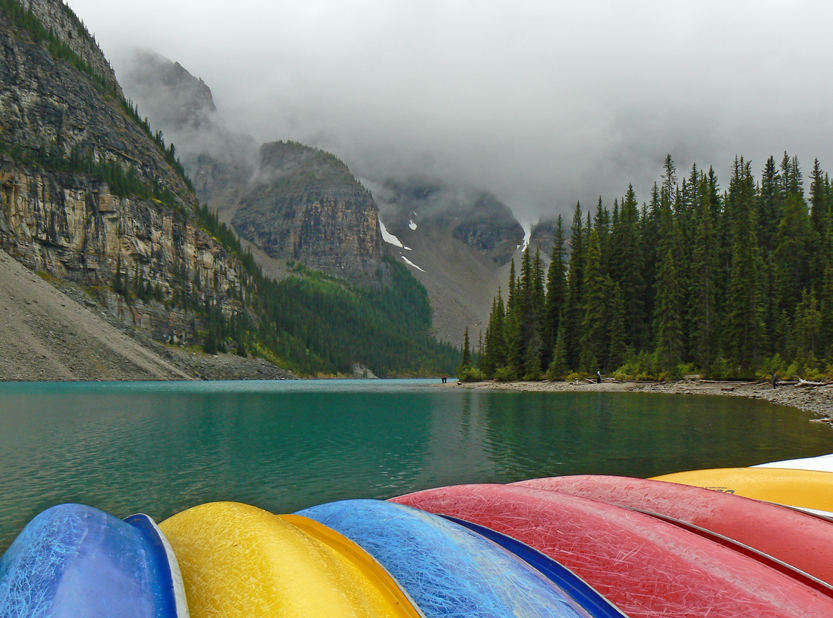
x=809 y=383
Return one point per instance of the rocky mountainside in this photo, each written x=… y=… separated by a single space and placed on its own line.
x=88 y=194
x=290 y=202
x=219 y=162
x=65 y=25
x=305 y=205
x=474 y=217
x=299 y=204
x=92 y=197
x=458 y=242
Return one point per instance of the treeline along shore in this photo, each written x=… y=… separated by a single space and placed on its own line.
x=728 y=284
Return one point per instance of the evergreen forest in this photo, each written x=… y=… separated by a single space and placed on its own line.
x=733 y=283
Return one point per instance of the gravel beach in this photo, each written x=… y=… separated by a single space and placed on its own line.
x=815 y=399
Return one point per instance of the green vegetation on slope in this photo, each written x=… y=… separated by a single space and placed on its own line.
x=732 y=284
x=318 y=324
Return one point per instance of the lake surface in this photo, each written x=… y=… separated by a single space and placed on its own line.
x=162 y=447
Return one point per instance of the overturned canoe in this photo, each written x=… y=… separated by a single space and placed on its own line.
x=74 y=560
x=646 y=567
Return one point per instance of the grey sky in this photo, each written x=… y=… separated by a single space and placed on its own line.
x=541 y=102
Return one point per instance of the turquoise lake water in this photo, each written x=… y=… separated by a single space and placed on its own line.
x=159 y=448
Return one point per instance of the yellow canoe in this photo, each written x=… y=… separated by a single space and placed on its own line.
x=241 y=561
x=806 y=489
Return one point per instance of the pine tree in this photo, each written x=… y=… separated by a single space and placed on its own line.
x=616 y=328
x=558 y=367
x=538 y=291
x=496 y=337
x=792 y=253
x=466 y=359
x=668 y=323
x=527 y=342
x=807 y=329
x=512 y=296
x=601 y=223
x=744 y=325
x=770 y=208
x=487 y=360
x=826 y=308
x=630 y=278
x=556 y=292
x=594 y=343
x=703 y=288
x=574 y=313
x=819 y=226
x=650 y=231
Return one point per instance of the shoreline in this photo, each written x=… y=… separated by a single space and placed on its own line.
x=817 y=400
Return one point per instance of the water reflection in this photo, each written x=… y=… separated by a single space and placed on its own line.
x=160 y=448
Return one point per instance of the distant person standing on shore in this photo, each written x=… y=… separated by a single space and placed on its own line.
x=774 y=379
x=599 y=377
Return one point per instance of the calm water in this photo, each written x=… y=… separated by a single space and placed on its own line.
x=163 y=447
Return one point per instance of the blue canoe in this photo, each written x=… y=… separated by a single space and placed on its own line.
x=74 y=560
x=447 y=569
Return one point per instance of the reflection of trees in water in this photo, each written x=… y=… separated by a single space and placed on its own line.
x=551 y=434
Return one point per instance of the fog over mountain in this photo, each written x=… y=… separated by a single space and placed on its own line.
x=540 y=103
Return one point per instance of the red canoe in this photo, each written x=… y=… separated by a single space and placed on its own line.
x=646 y=567
x=801 y=540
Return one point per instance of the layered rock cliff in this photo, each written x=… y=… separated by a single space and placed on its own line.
x=305 y=205
x=87 y=194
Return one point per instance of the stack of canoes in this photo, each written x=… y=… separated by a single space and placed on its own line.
x=573 y=546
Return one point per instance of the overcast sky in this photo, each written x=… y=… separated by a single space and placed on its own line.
x=541 y=102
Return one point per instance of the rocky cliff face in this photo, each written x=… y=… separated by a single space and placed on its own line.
x=58 y=17
x=305 y=205
x=293 y=202
x=61 y=137
x=77 y=230
x=476 y=218
x=542 y=236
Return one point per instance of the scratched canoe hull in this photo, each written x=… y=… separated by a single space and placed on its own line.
x=646 y=567
x=447 y=569
x=239 y=561
x=74 y=560
x=800 y=540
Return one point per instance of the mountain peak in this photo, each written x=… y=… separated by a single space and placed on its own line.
x=170 y=95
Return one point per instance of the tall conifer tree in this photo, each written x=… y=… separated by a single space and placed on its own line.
x=574 y=314
x=703 y=288
x=594 y=343
x=668 y=323
x=744 y=326
x=556 y=291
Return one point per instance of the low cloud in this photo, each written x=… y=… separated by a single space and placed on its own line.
x=540 y=103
